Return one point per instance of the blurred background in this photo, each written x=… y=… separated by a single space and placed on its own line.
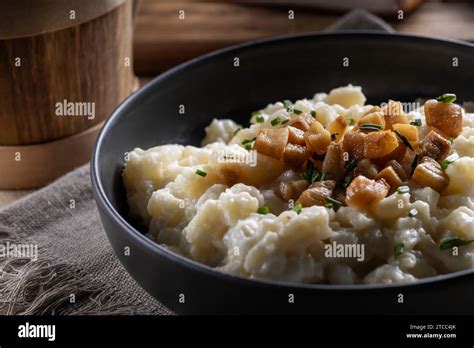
x=163 y=40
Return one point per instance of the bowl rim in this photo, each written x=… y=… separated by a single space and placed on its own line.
x=107 y=207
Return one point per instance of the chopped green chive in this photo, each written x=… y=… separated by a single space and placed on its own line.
x=287 y=103
x=313 y=113
x=450 y=242
x=201 y=173
x=248 y=146
x=347 y=180
x=404 y=140
x=237 y=130
x=311 y=174
x=323 y=177
x=371 y=126
x=246 y=141
x=447 y=98
x=263 y=210
x=298 y=208
x=333 y=136
x=276 y=121
x=416 y=122
x=413 y=213
x=398 y=250
x=285 y=121
x=255 y=113
x=403 y=189
x=332 y=203
x=350 y=166
x=259 y=119
x=297 y=112
x=448 y=161
x=351 y=122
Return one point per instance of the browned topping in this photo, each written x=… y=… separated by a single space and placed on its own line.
x=379 y=144
x=373 y=118
x=353 y=143
x=407 y=161
x=435 y=146
x=272 y=141
x=447 y=117
x=429 y=174
x=395 y=155
x=382 y=151
x=409 y=132
x=393 y=113
x=317 y=193
x=266 y=169
x=302 y=122
x=317 y=138
x=291 y=190
x=366 y=168
x=397 y=167
x=296 y=136
x=333 y=163
x=391 y=177
x=338 y=127
x=295 y=155
x=362 y=192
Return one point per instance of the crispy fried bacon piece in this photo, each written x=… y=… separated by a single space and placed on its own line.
x=353 y=143
x=393 y=113
x=302 y=122
x=366 y=168
x=379 y=144
x=397 y=167
x=362 y=192
x=435 y=146
x=395 y=155
x=429 y=174
x=296 y=136
x=373 y=118
x=295 y=155
x=409 y=132
x=333 y=163
x=272 y=141
x=317 y=193
x=291 y=190
x=391 y=177
x=317 y=138
x=446 y=117
x=266 y=169
x=338 y=127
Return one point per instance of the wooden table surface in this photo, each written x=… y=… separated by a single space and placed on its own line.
x=162 y=40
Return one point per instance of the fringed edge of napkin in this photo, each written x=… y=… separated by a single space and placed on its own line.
x=46 y=287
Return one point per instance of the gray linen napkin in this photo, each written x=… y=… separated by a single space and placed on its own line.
x=75 y=271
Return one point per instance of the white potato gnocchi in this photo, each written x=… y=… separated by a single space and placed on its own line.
x=265 y=202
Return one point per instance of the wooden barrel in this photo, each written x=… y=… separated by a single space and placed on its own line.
x=58 y=84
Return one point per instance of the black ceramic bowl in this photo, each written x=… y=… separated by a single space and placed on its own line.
x=386 y=66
